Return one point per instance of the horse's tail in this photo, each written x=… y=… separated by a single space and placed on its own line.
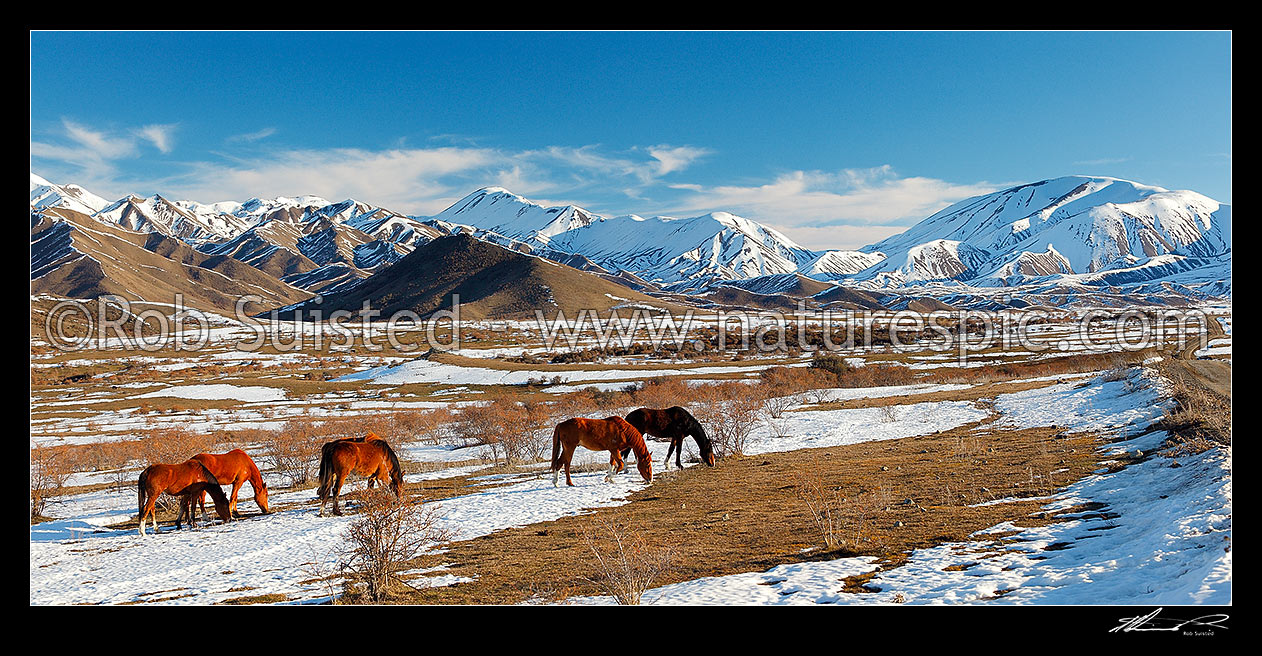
x=556 y=448
x=396 y=470
x=140 y=492
x=326 y=469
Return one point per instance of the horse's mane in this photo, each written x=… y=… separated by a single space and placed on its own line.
x=210 y=478
x=638 y=445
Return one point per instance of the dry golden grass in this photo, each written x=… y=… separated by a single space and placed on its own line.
x=744 y=515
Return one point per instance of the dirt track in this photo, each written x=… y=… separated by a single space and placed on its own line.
x=1214 y=375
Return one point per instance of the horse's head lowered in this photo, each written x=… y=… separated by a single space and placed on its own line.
x=645 y=465
x=260 y=496
x=703 y=442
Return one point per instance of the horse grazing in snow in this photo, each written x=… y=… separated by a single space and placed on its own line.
x=613 y=434
x=674 y=424
x=367 y=456
x=186 y=480
x=235 y=468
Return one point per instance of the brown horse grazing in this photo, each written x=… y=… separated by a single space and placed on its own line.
x=612 y=434
x=675 y=424
x=368 y=456
x=185 y=479
x=235 y=468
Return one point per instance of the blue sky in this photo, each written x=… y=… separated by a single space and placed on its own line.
x=837 y=138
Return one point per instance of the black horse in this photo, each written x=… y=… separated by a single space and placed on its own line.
x=675 y=424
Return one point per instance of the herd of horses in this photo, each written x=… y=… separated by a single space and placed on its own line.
x=372 y=457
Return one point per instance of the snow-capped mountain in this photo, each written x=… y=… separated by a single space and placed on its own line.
x=1066 y=226
x=45 y=194
x=1071 y=235
x=304 y=240
x=677 y=254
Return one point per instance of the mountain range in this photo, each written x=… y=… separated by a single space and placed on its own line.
x=1071 y=240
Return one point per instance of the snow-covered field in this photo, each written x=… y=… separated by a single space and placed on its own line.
x=1161 y=533
x=1168 y=541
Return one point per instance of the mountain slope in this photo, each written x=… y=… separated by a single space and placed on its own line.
x=74 y=256
x=1070 y=225
x=493 y=283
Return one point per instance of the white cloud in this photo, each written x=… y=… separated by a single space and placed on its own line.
x=407 y=180
x=675 y=158
x=1102 y=162
x=161 y=136
x=875 y=196
x=252 y=136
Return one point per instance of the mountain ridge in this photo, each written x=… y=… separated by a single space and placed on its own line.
x=1067 y=232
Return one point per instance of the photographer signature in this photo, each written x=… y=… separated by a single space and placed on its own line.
x=1151 y=622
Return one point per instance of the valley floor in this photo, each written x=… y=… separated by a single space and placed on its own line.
x=1047 y=493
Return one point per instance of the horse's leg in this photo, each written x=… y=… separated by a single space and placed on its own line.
x=616 y=465
x=232 y=504
x=145 y=511
x=337 y=489
x=567 y=454
x=679 y=449
x=670 y=449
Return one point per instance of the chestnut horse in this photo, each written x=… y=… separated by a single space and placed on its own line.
x=367 y=456
x=234 y=467
x=612 y=434
x=675 y=424
x=186 y=479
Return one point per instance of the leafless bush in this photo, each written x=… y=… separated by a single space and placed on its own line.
x=173 y=445
x=384 y=538
x=730 y=412
x=824 y=502
x=294 y=451
x=430 y=426
x=663 y=392
x=49 y=472
x=777 y=401
x=889 y=414
x=1115 y=374
x=627 y=562
x=499 y=424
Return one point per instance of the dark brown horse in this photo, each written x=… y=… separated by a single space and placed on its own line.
x=674 y=424
x=613 y=434
x=185 y=480
x=234 y=467
x=367 y=456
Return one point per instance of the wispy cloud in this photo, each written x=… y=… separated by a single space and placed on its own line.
x=428 y=180
x=410 y=180
x=842 y=209
x=161 y=136
x=250 y=137
x=1102 y=162
x=676 y=158
x=90 y=155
